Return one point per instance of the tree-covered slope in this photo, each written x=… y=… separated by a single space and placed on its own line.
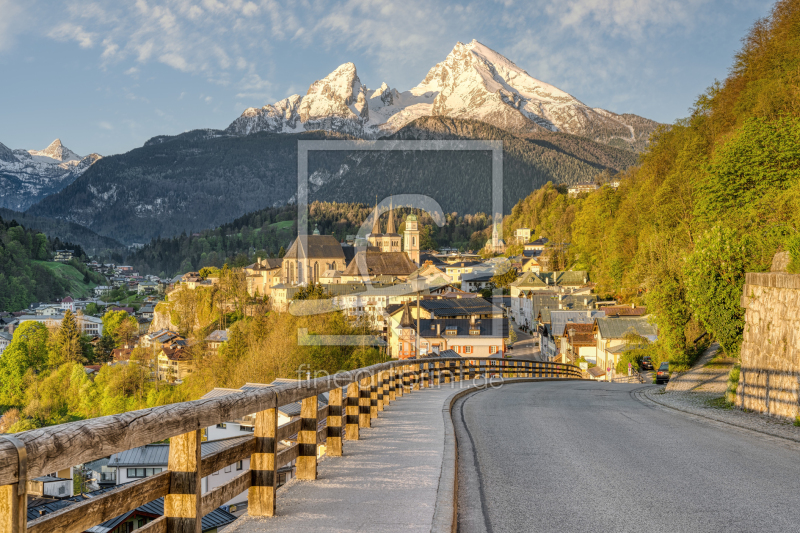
x=203 y=179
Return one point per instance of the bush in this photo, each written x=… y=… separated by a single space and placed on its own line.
x=733 y=384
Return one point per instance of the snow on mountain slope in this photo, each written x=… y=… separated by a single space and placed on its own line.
x=473 y=82
x=27 y=176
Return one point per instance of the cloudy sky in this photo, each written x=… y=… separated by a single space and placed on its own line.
x=105 y=76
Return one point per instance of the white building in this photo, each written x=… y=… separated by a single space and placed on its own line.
x=86 y=324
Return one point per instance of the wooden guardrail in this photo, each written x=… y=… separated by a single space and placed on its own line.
x=368 y=391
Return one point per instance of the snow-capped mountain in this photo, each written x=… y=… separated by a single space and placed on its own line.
x=27 y=176
x=473 y=82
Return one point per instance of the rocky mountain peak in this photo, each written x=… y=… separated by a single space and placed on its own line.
x=57 y=151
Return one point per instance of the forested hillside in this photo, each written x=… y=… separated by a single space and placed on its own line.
x=202 y=179
x=266 y=232
x=715 y=196
x=66 y=232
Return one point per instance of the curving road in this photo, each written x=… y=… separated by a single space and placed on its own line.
x=588 y=456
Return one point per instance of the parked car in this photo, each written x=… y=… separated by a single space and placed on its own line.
x=662 y=376
x=647 y=363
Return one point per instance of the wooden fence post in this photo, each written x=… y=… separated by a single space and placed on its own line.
x=373 y=396
x=382 y=400
x=363 y=403
x=415 y=376
x=406 y=379
x=436 y=374
x=392 y=381
x=13 y=509
x=352 y=409
x=263 y=473
x=334 y=440
x=182 y=504
x=307 y=440
x=398 y=381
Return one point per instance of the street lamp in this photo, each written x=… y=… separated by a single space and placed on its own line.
x=571 y=344
x=417 y=284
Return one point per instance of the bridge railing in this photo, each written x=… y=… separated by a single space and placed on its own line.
x=355 y=398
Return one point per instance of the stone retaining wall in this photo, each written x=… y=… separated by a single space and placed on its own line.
x=770 y=378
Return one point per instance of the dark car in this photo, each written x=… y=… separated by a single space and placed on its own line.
x=662 y=376
x=647 y=363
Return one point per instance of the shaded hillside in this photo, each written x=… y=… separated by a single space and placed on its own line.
x=65 y=231
x=203 y=179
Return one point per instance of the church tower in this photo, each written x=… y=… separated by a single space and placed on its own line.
x=375 y=238
x=411 y=238
x=391 y=239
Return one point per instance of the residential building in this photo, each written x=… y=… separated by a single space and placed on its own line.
x=625 y=310
x=146 y=287
x=456 y=270
x=473 y=337
x=102 y=290
x=611 y=333
x=476 y=281
x=459 y=310
x=216 y=338
x=522 y=235
x=147 y=311
x=86 y=324
x=63 y=256
x=569 y=329
x=579 y=188
x=5 y=340
x=536 y=246
x=262 y=275
x=68 y=303
x=174 y=364
x=99 y=475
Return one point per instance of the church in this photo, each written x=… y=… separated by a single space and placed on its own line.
x=390 y=241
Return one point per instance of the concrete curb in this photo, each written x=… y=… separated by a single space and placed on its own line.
x=445 y=511
x=641 y=395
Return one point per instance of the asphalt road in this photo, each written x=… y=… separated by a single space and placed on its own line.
x=587 y=456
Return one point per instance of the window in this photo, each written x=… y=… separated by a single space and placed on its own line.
x=227 y=469
x=467 y=349
x=492 y=349
x=142 y=522
x=239 y=465
x=143 y=472
x=215 y=473
x=222 y=426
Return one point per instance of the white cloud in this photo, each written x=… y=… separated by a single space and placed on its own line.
x=11 y=22
x=66 y=31
x=105 y=125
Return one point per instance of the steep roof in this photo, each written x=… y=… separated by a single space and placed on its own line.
x=624 y=310
x=318 y=246
x=158 y=454
x=406 y=321
x=560 y=319
x=488 y=327
x=617 y=328
x=380 y=263
x=452 y=307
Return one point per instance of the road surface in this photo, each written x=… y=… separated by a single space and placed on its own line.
x=524 y=348
x=587 y=456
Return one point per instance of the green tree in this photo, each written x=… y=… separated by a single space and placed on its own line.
x=68 y=340
x=25 y=354
x=715 y=274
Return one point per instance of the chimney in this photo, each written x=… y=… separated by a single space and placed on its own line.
x=633 y=306
x=438 y=329
x=559 y=304
x=472 y=320
x=586 y=301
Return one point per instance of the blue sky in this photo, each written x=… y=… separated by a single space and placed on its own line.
x=107 y=76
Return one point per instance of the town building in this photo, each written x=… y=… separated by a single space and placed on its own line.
x=574 y=190
x=367 y=266
x=309 y=256
x=262 y=275
x=174 y=363
x=522 y=235
x=86 y=324
x=495 y=245
x=612 y=337
x=470 y=337
x=63 y=256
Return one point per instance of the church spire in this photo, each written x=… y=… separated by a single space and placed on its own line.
x=390 y=226
x=376 y=222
